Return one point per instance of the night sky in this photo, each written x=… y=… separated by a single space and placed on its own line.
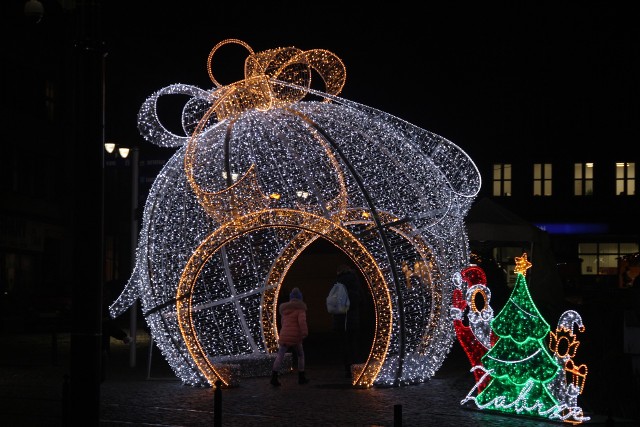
x=562 y=75
x=489 y=76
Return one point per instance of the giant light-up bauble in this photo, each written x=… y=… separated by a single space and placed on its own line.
x=265 y=167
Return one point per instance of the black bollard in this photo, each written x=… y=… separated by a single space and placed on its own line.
x=610 y=422
x=66 y=419
x=397 y=415
x=217 y=405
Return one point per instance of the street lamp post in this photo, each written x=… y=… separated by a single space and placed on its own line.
x=81 y=388
x=133 y=311
x=83 y=403
x=124 y=152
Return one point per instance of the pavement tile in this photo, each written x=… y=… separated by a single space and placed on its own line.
x=32 y=377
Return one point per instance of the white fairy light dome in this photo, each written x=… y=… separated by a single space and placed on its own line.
x=261 y=172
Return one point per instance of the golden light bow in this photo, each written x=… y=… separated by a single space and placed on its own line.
x=261 y=173
x=275 y=78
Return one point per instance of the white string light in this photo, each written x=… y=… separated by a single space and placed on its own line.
x=213 y=251
x=516 y=374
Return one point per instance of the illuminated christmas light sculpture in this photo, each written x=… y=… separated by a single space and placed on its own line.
x=525 y=378
x=261 y=173
x=476 y=336
x=568 y=385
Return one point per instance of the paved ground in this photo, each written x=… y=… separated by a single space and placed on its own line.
x=32 y=374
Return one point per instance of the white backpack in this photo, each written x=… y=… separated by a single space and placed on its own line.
x=338 y=299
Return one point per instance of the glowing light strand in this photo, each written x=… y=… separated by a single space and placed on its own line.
x=475 y=337
x=212 y=255
x=517 y=374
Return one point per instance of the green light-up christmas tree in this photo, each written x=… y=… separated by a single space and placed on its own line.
x=519 y=363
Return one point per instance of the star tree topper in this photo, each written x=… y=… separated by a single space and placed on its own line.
x=522 y=264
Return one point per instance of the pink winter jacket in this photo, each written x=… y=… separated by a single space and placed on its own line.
x=293 y=322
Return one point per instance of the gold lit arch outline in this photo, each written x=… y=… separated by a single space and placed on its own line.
x=311 y=226
x=278 y=78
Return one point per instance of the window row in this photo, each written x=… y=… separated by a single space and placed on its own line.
x=603 y=258
x=625 y=179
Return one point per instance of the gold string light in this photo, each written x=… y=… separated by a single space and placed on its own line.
x=261 y=173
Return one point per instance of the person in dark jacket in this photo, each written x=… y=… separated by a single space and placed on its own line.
x=347 y=326
x=293 y=330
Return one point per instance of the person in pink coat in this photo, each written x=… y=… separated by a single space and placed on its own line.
x=293 y=330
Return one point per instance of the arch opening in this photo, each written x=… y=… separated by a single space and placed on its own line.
x=310 y=227
x=314 y=272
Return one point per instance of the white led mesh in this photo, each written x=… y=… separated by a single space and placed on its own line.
x=222 y=227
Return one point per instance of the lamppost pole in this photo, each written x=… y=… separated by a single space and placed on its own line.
x=133 y=311
x=88 y=160
x=133 y=155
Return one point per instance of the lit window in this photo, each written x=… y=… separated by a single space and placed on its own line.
x=602 y=258
x=583 y=179
x=625 y=179
x=501 y=179
x=542 y=179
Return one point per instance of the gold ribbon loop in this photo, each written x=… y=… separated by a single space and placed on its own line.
x=275 y=78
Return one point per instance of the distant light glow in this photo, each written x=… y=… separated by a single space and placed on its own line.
x=124 y=152
x=574 y=228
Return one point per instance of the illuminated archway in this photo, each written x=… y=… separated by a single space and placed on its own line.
x=308 y=225
x=262 y=173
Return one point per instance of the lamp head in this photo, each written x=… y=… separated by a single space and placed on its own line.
x=34 y=11
x=124 y=152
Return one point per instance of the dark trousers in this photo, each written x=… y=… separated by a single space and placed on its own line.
x=349 y=348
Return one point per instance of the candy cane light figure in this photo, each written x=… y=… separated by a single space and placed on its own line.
x=475 y=335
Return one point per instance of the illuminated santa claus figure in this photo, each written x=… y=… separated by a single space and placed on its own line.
x=472 y=317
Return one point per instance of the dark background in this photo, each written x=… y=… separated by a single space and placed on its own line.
x=488 y=76
x=493 y=77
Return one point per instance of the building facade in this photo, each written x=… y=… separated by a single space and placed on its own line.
x=588 y=206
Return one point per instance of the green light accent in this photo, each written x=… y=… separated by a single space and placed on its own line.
x=520 y=363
